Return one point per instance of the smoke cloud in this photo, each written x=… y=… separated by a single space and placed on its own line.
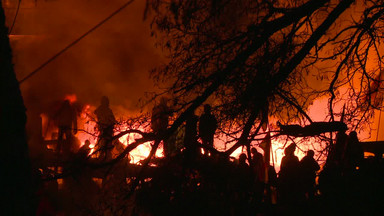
x=114 y=60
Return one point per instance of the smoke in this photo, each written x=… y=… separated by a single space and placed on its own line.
x=114 y=60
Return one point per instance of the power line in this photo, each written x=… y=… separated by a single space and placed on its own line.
x=75 y=41
x=14 y=18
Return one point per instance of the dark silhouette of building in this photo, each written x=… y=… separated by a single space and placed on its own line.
x=106 y=122
x=207 y=127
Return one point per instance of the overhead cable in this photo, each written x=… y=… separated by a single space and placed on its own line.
x=14 y=18
x=75 y=41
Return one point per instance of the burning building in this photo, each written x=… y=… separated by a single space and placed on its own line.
x=64 y=48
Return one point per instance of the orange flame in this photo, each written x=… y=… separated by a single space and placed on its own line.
x=71 y=98
x=89 y=132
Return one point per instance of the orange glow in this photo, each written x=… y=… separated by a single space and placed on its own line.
x=87 y=123
x=88 y=130
x=142 y=151
x=71 y=98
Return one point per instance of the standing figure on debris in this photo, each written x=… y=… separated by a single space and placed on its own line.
x=159 y=123
x=66 y=121
x=309 y=167
x=106 y=122
x=190 y=137
x=207 y=127
x=288 y=176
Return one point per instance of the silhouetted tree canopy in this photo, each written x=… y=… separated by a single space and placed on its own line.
x=247 y=58
x=252 y=61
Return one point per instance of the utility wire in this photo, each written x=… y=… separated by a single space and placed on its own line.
x=75 y=41
x=14 y=18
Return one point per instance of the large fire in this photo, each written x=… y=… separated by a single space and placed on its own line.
x=87 y=130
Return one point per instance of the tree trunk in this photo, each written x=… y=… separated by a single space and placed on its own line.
x=15 y=167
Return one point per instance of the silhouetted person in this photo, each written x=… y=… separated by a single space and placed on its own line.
x=106 y=122
x=288 y=176
x=290 y=161
x=243 y=161
x=190 y=137
x=309 y=167
x=336 y=153
x=243 y=167
x=243 y=183
x=207 y=127
x=259 y=175
x=84 y=151
x=159 y=123
x=354 y=153
x=66 y=121
x=80 y=159
x=258 y=164
x=331 y=178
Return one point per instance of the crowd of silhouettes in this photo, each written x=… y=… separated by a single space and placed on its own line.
x=296 y=182
x=297 y=179
x=203 y=127
x=347 y=154
x=246 y=183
